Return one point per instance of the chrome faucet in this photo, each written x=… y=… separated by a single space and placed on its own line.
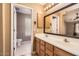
x=46 y=35
x=66 y=40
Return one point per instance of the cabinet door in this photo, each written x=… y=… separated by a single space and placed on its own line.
x=42 y=48
x=42 y=53
x=42 y=42
x=49 y=52
x=37 y=46
x=49 y=46
x=60 y=52
x=42 y=45
x=49 y=49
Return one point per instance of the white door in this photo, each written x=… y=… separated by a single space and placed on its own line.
x=14 y=31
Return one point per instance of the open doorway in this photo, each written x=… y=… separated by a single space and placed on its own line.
x=22 y=31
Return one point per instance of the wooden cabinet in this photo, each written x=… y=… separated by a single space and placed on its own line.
x=49 y=52
x=42 y=42
x=37 y=46
x=42 y=48
x=60 y=52
x=42 y=53
x=45 y=49
x=49 y=46
x=49 y=49
x=42 y=45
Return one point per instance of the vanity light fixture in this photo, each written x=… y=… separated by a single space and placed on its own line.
x=49 y=6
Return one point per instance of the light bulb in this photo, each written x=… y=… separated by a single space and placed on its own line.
x=46 y=7
x=49 y=6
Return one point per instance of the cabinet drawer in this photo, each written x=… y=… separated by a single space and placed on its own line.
x=60 y=52
x=49 y=52
x=42 y=42
x=49 y=46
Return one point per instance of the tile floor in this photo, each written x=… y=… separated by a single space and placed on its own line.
x=24 y=49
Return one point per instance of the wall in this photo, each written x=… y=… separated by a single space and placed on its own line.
x=24 y=26
x=1 y=31
x=6 y=28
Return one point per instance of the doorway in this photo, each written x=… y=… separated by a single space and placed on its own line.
x=22 y=31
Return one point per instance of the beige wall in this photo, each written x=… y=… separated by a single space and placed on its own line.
x=1 y=31
x=7 y=28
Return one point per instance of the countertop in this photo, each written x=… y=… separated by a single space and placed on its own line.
x=72 y=46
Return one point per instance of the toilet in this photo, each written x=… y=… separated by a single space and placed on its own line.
x=19 y=41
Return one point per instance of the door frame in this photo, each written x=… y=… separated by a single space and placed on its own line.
x=20 y=6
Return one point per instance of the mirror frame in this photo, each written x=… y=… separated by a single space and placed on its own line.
x=56 y=12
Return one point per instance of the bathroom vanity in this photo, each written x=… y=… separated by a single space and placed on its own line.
x=44 y=48
x=52 y=45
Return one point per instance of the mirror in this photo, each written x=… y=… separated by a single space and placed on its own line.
x=64 y=23
x=52 y=24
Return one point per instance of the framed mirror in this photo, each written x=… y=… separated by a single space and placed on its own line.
x=63 y=22
x=52 y=24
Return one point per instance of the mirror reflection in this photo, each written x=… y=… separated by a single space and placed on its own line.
x=64 y=23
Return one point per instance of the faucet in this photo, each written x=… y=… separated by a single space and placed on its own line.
x=46 y=35
x=66 y=40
